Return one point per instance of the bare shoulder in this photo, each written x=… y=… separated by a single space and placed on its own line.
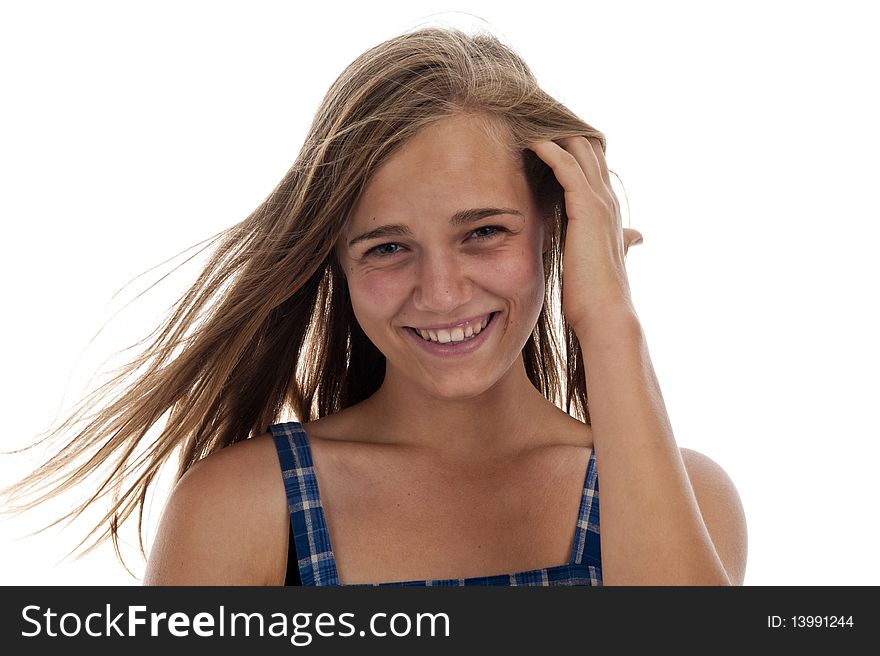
x=225 y=522
x=722 y=511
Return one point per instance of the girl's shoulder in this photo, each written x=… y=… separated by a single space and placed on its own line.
x=225 y=522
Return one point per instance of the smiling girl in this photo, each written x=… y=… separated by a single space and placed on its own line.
x=436 y=292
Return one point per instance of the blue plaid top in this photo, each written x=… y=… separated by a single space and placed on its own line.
x=311 y=550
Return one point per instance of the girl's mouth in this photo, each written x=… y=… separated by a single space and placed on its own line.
x=459 y=343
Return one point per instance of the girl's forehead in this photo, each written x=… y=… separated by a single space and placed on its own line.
x=408 y=183
x=451 y=146
x=443 y=190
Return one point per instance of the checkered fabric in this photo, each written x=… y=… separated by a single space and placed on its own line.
x=317 y=565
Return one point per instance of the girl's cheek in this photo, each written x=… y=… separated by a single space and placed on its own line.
x=518 y=267
x=379 y=287
x=522 y=277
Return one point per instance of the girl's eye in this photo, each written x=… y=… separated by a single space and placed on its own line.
x=376 y=250
x=497 y=230
x=379 y=251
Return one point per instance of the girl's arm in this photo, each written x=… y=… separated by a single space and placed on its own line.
x=225 y=522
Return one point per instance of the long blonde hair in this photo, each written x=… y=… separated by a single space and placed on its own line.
x=267 y=327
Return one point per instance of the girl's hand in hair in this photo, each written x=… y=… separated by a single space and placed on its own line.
x=594 y=281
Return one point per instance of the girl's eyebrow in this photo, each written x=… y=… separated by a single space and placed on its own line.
x=461 y=217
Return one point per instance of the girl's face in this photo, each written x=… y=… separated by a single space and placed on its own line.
x=446 y=233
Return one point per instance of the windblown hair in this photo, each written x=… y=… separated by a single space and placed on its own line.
x=268 y=327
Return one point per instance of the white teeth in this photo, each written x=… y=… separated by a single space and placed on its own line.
x=457 y=334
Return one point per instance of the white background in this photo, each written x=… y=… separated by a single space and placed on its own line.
x=745 y=135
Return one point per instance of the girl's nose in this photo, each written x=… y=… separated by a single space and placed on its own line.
x=441 y=285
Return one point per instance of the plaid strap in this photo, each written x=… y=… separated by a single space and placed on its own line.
x=585 y=550
x=311 y=538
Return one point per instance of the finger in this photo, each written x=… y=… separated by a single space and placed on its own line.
x=586 y=157
x=565 y=166
x=603 y=167
x=632 y=237
x=600 y=157
x=588 y=152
